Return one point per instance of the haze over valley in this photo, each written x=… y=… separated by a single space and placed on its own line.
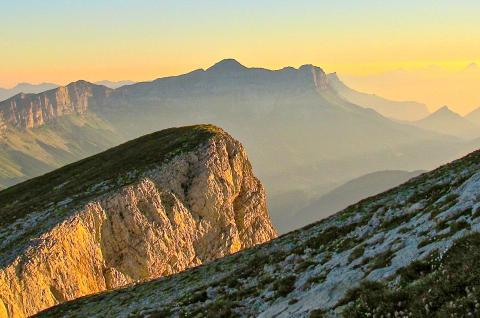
x=270 y=111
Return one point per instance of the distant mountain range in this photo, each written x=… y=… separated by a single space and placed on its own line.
x=25 y=88
x=432 y=85
x=409 y=111
x=474 y=116
x=445 y=121
x=113 y=84
x=28 y=88
x=301 y=134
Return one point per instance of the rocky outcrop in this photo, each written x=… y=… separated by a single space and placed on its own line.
x=202 y=204
x=34 y=110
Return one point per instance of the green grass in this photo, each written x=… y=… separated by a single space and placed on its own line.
x=76 y=179
x=32 y=152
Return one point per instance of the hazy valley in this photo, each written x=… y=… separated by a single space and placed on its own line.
x=269 y=111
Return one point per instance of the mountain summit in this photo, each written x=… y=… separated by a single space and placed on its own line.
x=444 y=112
x=227 y=65
x=444 y=120
x=151 y=207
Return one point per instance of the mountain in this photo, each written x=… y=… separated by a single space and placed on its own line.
x=41 y=132
x=34 y=110
x=151 y=207
x=412 y=251
x=26 y=88
x=301 y=135
x=349 y=193
x=448 y=122
x=433 y=85
x=474 y=116
x=271 y=111
x=405 y=111
x=114 y=84
x=32 y=152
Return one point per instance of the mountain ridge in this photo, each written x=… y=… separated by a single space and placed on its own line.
x=6 y=93
x=148 y=208
x=446 y=121
x=277 y=114
x=33 y=110
x=385 y=254
x=474 y=116
x=399 y=110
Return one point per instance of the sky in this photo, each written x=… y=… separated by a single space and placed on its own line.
x=62 y=41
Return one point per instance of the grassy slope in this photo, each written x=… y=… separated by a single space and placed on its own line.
x=28 y=153
x=392 y=238
x=76 y=180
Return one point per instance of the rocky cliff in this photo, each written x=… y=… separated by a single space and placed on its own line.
x=412 y=251
x=34 y=110
x=148 y=208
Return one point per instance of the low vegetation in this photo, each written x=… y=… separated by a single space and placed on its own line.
x=412 y=251
x=442 y=286
x=110 y=167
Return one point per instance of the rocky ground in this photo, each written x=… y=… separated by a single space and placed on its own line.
x=409 y=252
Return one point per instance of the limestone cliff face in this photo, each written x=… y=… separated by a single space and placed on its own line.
x=34 y=110
x=201 y=205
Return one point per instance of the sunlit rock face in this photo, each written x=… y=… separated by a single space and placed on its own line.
x=34 y=110
x=202 y=204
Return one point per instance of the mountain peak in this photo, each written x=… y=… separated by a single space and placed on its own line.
x=309 y=67
x=334 y=76
x=445 y=110
x=80 y=82
x=227 y=65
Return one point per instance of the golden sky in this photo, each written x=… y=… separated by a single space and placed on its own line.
x=61 y=41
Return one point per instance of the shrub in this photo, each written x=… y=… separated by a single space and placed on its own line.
x=460 y=225
x=356 y=253
x=414 y=271
x=381 y=260
x=439 y=287
x=316 y=313
x=285 y=285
